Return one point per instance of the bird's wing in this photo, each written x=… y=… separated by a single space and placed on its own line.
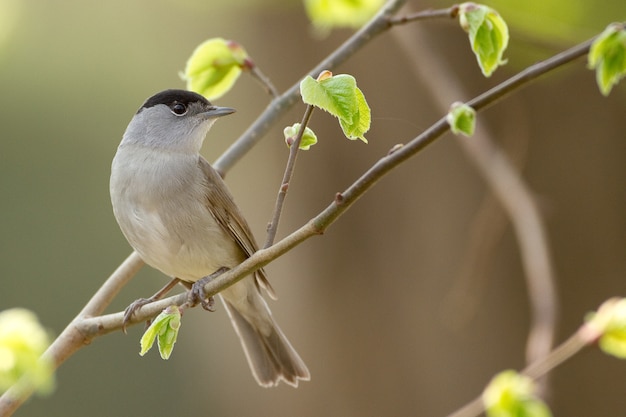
x=222 y=207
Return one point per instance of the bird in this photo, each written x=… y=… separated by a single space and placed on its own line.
x=177 y=213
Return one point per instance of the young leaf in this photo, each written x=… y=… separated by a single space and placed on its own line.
x=334 y=94
x=610 y=323
x=510 y=394
x=488 y=35
x=339 y=96
x=164 y=329
x=608 y=57
x=22 y=342
x=328 y=14
x=214 y=67
x=360 y=123
x=462 y=119
x=308 y=137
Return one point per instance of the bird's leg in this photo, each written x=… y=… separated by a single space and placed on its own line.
x=137 y=304
x=197 y=295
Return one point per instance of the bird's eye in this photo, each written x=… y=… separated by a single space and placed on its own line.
x=178 y=109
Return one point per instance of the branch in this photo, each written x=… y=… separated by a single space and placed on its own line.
x=83 y=328
x=73 y=337
x=258 y=75
x=490 y=97
x=451 y=12
x=505 y=181
x=69 y=340
x=379 y=24
x=282 y=192
x=341 y=203
x=519 y=203
x=539 y=369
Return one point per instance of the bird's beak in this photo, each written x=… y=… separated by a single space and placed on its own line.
x=215 y=112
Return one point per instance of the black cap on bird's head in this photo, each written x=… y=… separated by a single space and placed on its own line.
x=173 y=120
x=179 y=102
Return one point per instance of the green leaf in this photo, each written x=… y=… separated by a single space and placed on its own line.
x=328 y=14
x=22 y=342
x=335 y=94
x=360 y=123
x=609 y=322
x=607 y=56
x=340 y=96
x=462 y=119
x=309 y=138
x=214 y=67
x=510 y=394
x=488 y=35
x=164 y=329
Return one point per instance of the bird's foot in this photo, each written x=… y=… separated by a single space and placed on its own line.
x=137 y=304
x=132 y=309
x=198 y=295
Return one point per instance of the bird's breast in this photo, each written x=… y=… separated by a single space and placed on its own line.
x=159 y=202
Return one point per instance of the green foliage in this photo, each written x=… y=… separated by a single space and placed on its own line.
x=510 y=394
x=608 y=57
x=165 y=330
x=339 y=96
x=488 y=35
x=610 y=323
x=328 y=14
x=214 y=66
x=309 y=138
x=22 y=342
x=462 y=119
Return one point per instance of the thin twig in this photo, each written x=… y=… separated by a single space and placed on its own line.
x=490 y=221
x=70 y=340
x=81 y=330
x=518 y=201
x=536 y=370
x=272 y=227
x=75 y=336
x=426 y=15
x=507 y=184
x=501 y=90
x=278 y=107
x=343 y=201
x=258 y=75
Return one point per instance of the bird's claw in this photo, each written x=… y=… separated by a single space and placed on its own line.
x=197 y=295
x=132 y=309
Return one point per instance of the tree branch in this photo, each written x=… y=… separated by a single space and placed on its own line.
x=70 y=339
x=73 y=337
x=84 y=327
x=284 y=186
x=537 y=370
x=490 y=97
x=507 y=184
x=342 y=201
x=258 y=75
x=278 y=107
x=426 y=15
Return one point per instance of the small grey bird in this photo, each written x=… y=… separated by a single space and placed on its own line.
x=177 y=213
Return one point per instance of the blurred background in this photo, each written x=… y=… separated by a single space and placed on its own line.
x=367 y=305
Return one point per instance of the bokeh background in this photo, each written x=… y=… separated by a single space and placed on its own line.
x=367 y=304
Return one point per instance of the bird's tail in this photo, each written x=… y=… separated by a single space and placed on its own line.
x=270 y=355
